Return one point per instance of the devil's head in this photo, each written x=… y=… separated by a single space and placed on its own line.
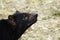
x=23 y=19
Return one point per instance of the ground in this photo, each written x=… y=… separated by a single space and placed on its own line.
x=48 y=24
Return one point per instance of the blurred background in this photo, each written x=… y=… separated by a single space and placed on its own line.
x=48 y=25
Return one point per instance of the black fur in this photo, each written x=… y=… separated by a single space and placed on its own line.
x=16 y=24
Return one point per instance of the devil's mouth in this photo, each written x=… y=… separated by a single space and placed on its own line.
x=32 y=21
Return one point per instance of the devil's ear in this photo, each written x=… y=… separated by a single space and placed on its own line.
x=10 y=17
x=11 y=20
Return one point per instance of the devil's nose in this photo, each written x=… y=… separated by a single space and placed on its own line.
x=34 y=14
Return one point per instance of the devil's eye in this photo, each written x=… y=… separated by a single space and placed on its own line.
x=25 y=18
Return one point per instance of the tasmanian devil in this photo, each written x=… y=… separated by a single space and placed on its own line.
x=16 y=24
